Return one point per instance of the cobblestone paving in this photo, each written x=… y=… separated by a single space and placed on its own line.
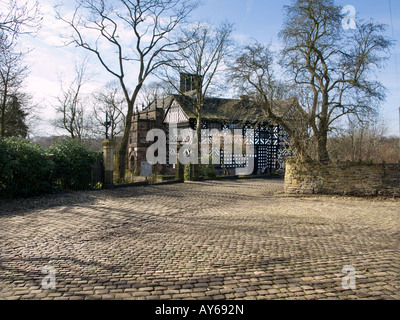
x=209 y=240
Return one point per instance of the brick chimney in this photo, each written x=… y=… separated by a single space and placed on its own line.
x=190 y=82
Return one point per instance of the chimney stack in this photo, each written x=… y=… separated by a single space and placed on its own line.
x=190 y=82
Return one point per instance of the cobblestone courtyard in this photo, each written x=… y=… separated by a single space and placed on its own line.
x=240 y=239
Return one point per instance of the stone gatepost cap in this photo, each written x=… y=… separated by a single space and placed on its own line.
x=108 y=143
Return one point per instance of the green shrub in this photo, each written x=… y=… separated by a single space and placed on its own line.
x=30 y=169
x=206 y=171
x=25 y=168
x=73 y=161
x=186 y=171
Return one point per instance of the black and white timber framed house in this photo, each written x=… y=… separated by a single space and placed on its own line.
x=225 y=115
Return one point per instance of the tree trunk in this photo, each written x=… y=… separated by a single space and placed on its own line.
x=122 y=156
x=198 y=134
x=3 y=113
x=123 y=150
x=322 y=144
x=2 y=124
x=323 y=154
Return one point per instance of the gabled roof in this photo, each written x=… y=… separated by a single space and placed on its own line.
x=219 y=109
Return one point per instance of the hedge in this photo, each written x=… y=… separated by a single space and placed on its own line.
x=24 y=168
x=73 y=164
x=29 y=169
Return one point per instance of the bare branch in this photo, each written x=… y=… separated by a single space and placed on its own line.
x=148 y=25
x=17 y=19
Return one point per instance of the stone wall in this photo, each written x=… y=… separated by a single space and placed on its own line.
x=343 y=179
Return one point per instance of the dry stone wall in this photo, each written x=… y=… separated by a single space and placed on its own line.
x=343 y=179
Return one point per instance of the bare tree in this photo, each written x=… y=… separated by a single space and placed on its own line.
x=200 y=60
x=254 y=75
x=334 y=65
x=366 y=141
x=154 y=91
x=19 y=17
x=12 y=73
x=70 y=106
x=109 y=103
x=148 y=25
x=16 y=109
x=15 y=19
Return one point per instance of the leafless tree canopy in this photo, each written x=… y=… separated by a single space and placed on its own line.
x=70 y=105
x=330 y=72
x=365 y=141
x=335 y=65
x=137 y=32
x=201 y=58
x=204 y=48
x=19 y=17
x=254 y=75
x=12 y=73
x=153 y=91
x=109 y=103
x=16 y=18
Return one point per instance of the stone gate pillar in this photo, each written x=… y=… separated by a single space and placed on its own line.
x=108 y=160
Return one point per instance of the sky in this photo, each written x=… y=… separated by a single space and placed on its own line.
x=259 y=20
